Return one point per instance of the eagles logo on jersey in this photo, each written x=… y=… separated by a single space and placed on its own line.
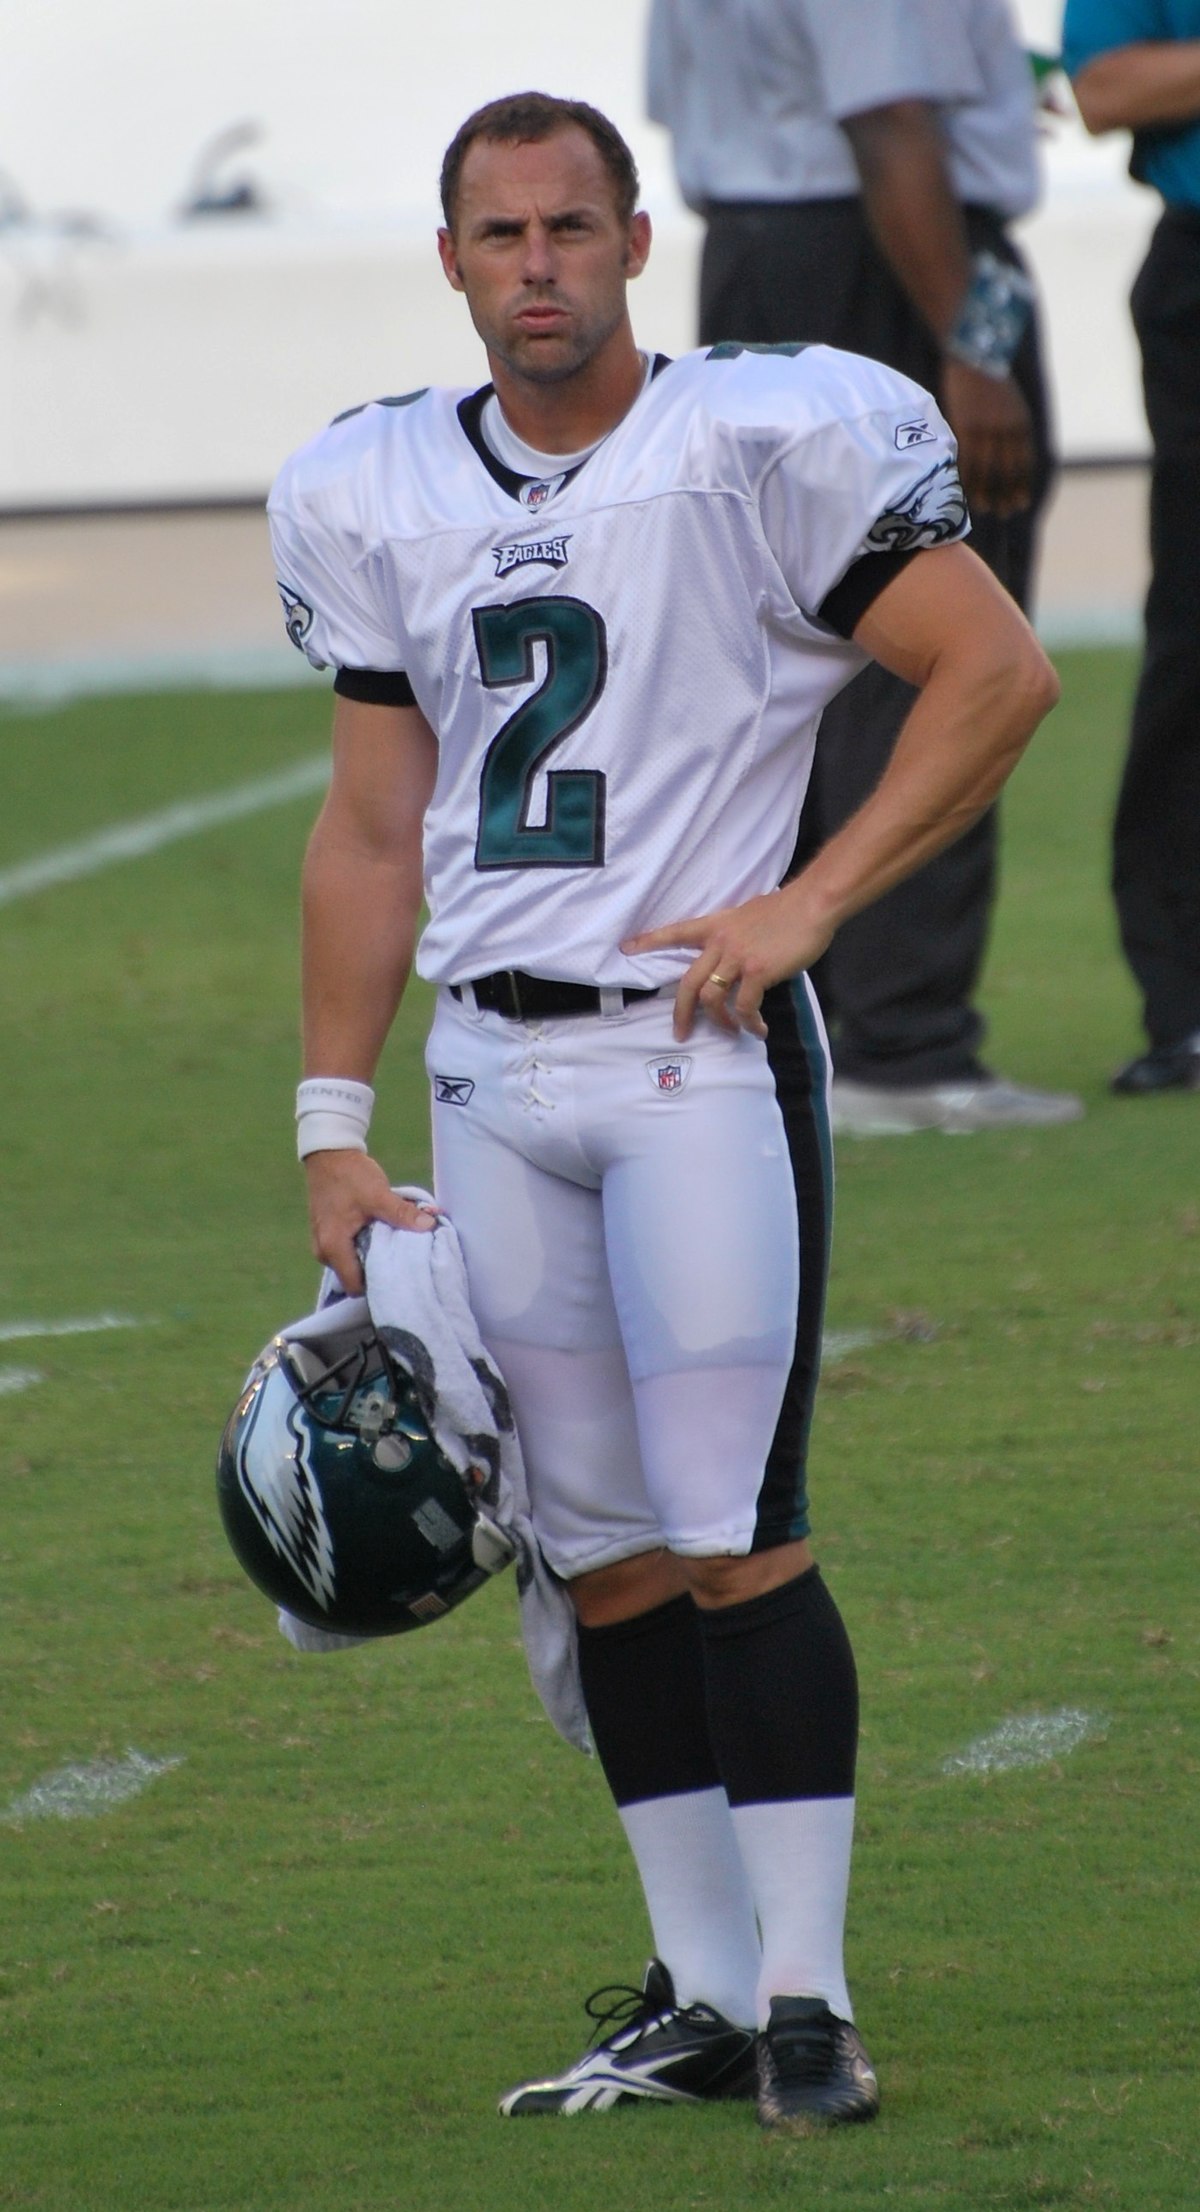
x=335 y=1497
x=532 y=552
x=933 y=513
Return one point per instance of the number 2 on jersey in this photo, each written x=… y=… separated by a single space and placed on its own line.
x=572 y=835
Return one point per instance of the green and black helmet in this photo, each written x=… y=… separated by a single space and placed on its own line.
x=336 y=1498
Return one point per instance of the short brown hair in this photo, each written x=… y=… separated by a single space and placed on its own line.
x=522 y=118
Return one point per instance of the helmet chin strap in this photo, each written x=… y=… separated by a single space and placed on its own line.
x=491 y=1548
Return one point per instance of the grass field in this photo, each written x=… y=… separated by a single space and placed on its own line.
x=293 y=1973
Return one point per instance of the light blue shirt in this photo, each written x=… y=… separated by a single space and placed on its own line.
x=1168 y=158
x=754 y=93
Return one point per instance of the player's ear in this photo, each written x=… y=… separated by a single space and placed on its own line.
x=637 y=246
x=448 y=253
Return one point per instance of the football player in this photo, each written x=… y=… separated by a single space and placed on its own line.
x=584 y=621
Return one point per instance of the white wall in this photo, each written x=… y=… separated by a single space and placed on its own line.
x=105 y=103
x=159 y=360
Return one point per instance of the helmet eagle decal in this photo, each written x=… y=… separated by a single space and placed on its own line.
x=280 y=1486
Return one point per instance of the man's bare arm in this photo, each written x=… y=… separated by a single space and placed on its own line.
x=1136 y=87
x=984 y=684
x=910 y=204
x=945 y=625
x=361 y=905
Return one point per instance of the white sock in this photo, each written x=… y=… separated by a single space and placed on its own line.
x=797 y=1858
x=699 y=1902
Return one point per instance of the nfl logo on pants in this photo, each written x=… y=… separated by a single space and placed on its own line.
x=669 y=1075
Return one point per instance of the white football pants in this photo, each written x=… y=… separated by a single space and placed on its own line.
x=645 y=1229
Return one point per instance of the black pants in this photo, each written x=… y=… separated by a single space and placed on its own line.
x=897 y=983
x=1156 y=835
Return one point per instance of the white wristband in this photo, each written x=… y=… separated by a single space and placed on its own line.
x=333 y=1114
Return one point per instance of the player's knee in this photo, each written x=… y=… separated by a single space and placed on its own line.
x=729 y=1580
x=629 y=1587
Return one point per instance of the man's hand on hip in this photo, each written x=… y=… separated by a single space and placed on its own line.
x=740 y=952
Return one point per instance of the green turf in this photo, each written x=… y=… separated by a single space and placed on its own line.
x=292 y=1976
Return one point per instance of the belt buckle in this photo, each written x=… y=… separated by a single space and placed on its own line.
x=506 y=979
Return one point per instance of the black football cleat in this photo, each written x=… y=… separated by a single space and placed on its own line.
x=812 y=2069
x=1164 y=1068
x=656 y=2049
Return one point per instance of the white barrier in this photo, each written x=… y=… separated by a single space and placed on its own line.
x=181 y=363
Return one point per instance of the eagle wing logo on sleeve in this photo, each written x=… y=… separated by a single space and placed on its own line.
x=297 y=615
x=932 y=513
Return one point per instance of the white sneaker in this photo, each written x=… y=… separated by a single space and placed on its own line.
x=957 y=1109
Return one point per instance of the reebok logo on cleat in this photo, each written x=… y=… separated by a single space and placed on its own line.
x=657 y=2049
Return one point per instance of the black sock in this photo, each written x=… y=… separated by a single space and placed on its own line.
x=782 y=1694
x=643 y=1684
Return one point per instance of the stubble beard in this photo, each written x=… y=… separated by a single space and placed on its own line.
x=582 y=346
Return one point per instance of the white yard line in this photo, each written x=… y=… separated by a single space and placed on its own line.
x=1030 y=1740
x=13 y=1379
x=15 y=1332
x=147 y=834
x=86 y=1787
x=840 y=1343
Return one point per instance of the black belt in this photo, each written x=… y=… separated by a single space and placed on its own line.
x=523 y=997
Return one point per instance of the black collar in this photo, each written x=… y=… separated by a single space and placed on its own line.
x=470 y=415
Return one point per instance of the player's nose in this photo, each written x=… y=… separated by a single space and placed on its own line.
x=538 y=263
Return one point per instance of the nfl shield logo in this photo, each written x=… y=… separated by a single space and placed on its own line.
x=669 y=1075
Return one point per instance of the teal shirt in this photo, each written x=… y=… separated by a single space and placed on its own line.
x=1167 y=158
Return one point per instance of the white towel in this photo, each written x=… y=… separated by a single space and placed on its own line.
x=417 y=1300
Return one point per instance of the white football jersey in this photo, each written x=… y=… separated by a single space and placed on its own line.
x=625 y=664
